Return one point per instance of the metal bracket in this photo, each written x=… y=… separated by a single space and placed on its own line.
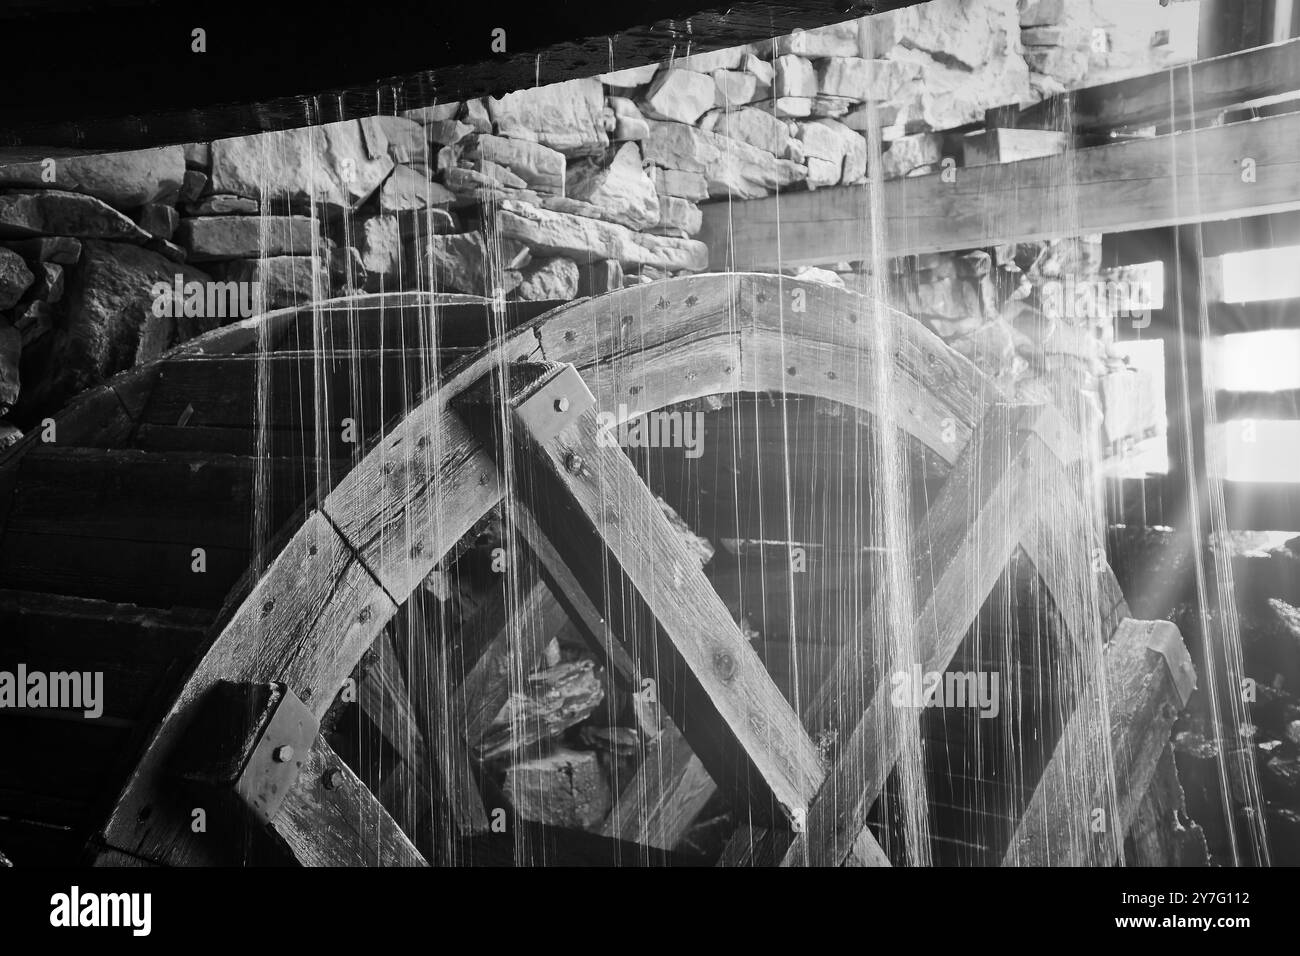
x=250 y=741
x=277 y=756
x=553 y=402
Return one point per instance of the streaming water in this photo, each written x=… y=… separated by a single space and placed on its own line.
x=1048 y=651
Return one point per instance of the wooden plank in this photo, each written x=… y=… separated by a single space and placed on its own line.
x=1176 y=95
x=306 y=623
x=384 y=698
x=664 y=796
x=1149 y=677
x=437 y=707
x=1162 y=833
x=329 y=818
x=1141 y=184
x=143 y=653
x=959 y=557
x=590 y=502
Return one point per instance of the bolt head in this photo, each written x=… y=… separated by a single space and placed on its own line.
x=574 y=464
x=561 y=404
x=282 y=753
x=333 y=778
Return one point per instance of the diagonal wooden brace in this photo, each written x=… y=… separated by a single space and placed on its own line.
x=587 y=499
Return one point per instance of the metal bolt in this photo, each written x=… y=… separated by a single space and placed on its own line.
x=561 y=404
x=333 y=778
x=574 y=463
x=282 y=753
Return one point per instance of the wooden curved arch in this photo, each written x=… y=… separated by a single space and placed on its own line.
x=370 y=540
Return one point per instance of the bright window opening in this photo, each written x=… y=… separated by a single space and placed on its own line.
x=1261 y=275
x=1258 y=361
x=1257 y=450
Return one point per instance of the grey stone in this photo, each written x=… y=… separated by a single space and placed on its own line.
x=158 y=220
x=795 y=76
x=460 y=263
x=540 y=167
x=110 y=321
x=285 y=281
x=209 y=238
x=680 y=183
x=322 y=164
x=755 y=127
x=565 y=116
x=558 y=234
x=52 y=213
x=567 y=788
x=679 y=95
x=11 y=351
x=124 y=180
x=734 y=87
x=547 y=280
x=193 y=184
x=732 y=169
x=678 y=217
x=61 y=249
x=622 y=190
x=15 y=278
x=409 y=189
x=198 y=155
x=433 y=114
x=224 y=205
x=836 y=39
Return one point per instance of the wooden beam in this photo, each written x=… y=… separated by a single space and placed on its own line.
x=329 y=818
x=1149 y=677
x=664 y=796
x=963 y=545
x=1162 y=833
x=1141 y=184
x=1177 y=95
x=589 y=501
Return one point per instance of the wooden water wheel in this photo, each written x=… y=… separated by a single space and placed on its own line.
x=231 y=669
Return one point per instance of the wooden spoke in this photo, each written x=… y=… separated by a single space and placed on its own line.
x=625 y=555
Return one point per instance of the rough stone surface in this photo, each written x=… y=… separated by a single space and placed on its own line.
x=622 y=190
x=731 y=168
x=755 y=127
x=547 y=280
x=580 y=239
x=404 y=138
x=713 y=60
x=52 y=213
x=567 y=788
x=734 y=87
x=285 y=280
x=408 y=189
x=15 y=278
x=198 y=155
x=836 y=39
x=434 y=113
x=565 y=116
x=631 y=77
x=109 y=322
x=678 y=217
x=540 y=167
x=193 y=184
x=123 y=180
x=680 y=183
x=459 y=263
x=679 y=95
x=9 y=435
x=224 y=205
x=325 y=164
x=209 y=238
x=11 y=350
x=447 y=132
x=795 y=76
x=859 y=79
x=61 y=249
x=911 y=152
x=158 y=220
